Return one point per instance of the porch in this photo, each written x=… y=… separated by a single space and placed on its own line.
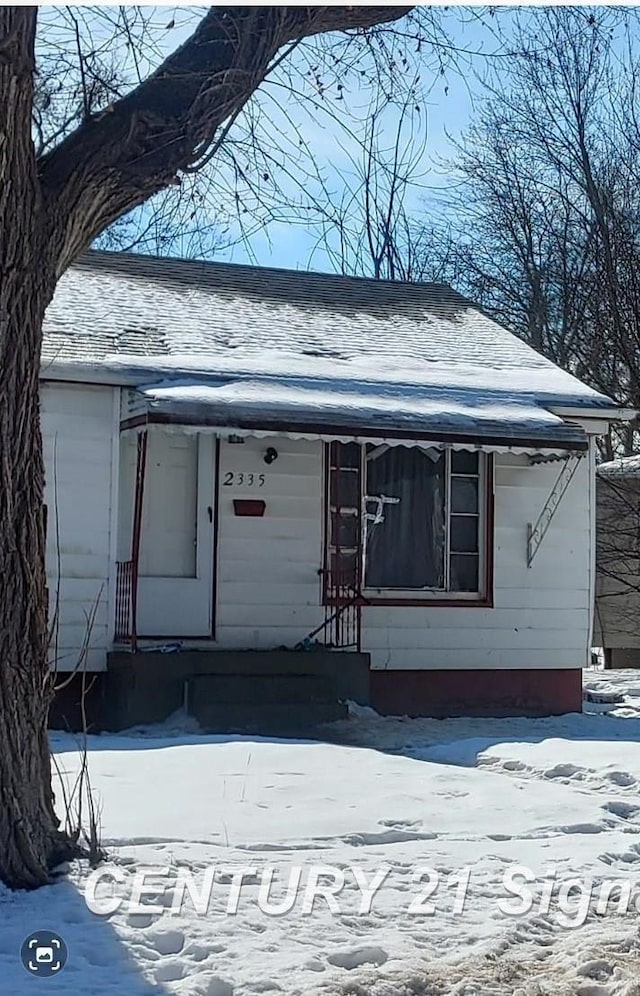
x=224 y=604
x=271 y=693
x=259 y=566
x=222 y=545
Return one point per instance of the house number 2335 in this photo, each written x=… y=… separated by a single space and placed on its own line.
x=239 y=480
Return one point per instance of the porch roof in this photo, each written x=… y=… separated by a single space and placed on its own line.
x=322 y=409
x=256 y=347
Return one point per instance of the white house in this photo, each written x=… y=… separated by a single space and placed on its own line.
x=249 y=459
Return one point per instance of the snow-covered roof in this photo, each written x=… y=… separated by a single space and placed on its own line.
x=250 y=342
x=622 y=467
x=334 y=406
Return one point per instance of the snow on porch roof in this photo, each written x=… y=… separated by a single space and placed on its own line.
x=319 y=408
x=304 y=345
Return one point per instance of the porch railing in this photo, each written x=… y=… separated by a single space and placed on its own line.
x=343 y=611
x=124 y=602
x=127 y=570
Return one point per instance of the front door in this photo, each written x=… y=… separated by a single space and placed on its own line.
x=175 y=568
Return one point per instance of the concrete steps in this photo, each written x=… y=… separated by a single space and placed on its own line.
x=286 y=720
x=259 y=689
x=269 y=693
x=271 y=704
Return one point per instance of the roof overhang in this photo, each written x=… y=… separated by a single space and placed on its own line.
x=282 y=408
x=604 y=414
x=363 y=433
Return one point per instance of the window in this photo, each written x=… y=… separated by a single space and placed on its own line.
x=406 y=520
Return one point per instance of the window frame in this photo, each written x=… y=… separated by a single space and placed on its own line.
x=431 y=596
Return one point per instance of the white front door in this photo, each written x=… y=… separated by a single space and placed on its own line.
x=175 y=571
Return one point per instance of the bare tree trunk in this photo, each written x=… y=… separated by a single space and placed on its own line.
x=29 y=838
x=51 y=209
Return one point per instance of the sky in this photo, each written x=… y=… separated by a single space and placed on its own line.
x=446 y=112
x=327 y=126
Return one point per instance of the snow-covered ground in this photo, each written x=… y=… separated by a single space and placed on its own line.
x=472 y=812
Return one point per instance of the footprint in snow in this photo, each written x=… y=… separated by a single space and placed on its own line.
x=399 y=824
x=216 y=987
x=314 y=965
x=563 y=771
x=514 y=765
x=200 y=952
x=170 y=971
x=625 y=810
x=582 y=828
x=630 y=857
x=357 y=957
x=621 y=778
x=598 y=970
x=167 y=942
x=141 y=920
x=485 y=761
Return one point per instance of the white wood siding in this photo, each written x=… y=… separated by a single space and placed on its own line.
x=78 y=431
x=268 y=583
x=541 y=615
x=269 y=590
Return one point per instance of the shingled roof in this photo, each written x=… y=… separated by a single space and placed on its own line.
x=251 y=342
x=628 y=466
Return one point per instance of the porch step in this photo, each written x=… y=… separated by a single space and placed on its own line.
x=259 y=689
x=267 y=720
x=267 y=704
x=279 y=692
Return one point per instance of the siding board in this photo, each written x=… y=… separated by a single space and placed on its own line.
x=269 y=592
x=268 y=584
x=77 y=429
x=426 y=659
x=268 y=587
x=540 y=616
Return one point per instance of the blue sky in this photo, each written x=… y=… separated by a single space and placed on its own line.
x=446 y=110
x=445 y=114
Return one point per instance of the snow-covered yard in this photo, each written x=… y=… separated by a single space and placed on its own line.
x=461 y=810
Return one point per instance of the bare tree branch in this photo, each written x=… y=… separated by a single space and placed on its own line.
x=124 y=155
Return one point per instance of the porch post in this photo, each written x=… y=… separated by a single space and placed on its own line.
x=141 y=463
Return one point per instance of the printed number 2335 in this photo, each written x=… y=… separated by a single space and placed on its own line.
x=241 y=479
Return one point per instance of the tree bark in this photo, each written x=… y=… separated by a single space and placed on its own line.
x=117 y=160
x=30 y=841
x=50 y=210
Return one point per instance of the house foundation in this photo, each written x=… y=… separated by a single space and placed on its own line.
x=439 y=693
x=290 y=692
x=269 y=692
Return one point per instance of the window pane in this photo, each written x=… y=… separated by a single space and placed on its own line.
x=464 y=572
x=345 y=454
x=464 y=534
x=405 y=550
x=345 y=488
x=343 y=569
x=464 y=494
x=345 y=530
x=463 y=462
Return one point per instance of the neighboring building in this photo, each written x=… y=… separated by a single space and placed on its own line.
x=249 y=459
x=617 y=615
